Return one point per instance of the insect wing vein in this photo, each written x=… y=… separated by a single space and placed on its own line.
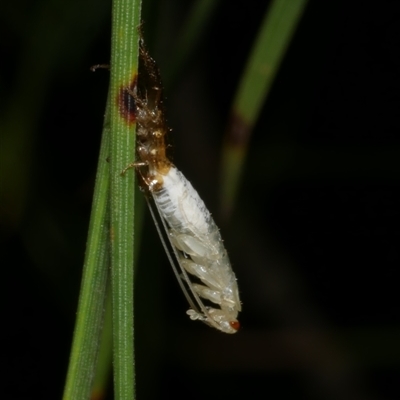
x=193 y=294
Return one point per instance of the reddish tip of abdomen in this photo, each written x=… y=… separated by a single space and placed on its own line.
x=235 y=325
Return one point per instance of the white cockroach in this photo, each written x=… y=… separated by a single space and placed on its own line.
x=192 y=233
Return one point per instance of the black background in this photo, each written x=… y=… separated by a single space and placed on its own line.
x=314 y=237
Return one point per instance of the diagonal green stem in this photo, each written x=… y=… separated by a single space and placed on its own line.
x=276 y=32
x=89 y=319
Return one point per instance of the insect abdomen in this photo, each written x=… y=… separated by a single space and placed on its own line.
x=194 y=233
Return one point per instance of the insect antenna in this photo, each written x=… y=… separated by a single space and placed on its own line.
x=171 y=260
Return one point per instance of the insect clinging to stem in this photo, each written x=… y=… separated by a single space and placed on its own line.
x=200 y=261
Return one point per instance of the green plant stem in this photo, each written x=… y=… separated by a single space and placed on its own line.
x=104 y=361
x=124 y=62
x=89 y=318
x=276 y=32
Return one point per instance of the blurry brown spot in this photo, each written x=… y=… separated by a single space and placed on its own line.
x=126 y=102
x=238 y=131
x=97 y=395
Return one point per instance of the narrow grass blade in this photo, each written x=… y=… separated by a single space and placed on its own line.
x=94 y=281
x=104 y=363
x=275 y=35
x=124 y=64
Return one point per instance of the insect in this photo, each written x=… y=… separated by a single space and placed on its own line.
x=204 y=271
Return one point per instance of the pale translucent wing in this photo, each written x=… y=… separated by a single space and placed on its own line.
x=202 y=315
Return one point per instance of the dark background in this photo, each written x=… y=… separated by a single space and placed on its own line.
x=314 y=237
